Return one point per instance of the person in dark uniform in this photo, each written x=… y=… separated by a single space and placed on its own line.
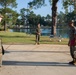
x=38 y=33
x=72 y=41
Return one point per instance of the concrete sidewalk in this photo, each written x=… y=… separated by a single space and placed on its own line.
x=41 y=59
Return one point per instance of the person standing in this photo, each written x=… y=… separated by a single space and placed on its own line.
x=38 y=33
x=72 y=41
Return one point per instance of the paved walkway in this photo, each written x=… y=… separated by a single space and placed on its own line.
x=37 y=60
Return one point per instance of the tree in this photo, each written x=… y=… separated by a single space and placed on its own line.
x=66 y=4
x=39 y=3
x=54 y=17
x=11 y=17
x=7 y=4
x=23 y=16
x=33 y=19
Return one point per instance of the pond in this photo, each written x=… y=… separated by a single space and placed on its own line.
x=44 y=31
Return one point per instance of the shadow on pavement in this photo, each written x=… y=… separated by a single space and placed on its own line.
x=31 y=63
x=36 y=51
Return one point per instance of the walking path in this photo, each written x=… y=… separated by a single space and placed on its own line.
x=43 y=59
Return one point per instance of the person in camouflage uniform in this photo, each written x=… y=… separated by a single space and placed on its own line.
x=72 y=41
x=38 y=33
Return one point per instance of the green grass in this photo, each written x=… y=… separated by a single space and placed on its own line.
x=23 y=38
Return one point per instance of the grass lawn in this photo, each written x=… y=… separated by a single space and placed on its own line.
x=23 y=38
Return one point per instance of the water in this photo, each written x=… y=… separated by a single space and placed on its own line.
x=44 y=32
x=60 y=32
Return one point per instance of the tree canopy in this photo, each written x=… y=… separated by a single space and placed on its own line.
x=6 y=11
x=39 y=3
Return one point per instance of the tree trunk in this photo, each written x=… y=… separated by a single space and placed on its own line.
x=5 y=27
x=54 y=17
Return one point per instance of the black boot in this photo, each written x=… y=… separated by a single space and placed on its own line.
x=73 y=62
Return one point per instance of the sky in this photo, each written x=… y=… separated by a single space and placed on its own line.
x=43 y=11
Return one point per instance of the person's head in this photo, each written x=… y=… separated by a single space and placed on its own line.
x=71 y=23
x=38 y=25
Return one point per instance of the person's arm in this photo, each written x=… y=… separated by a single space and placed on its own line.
x=75 y=34
x=36 y=31
x=75 y=38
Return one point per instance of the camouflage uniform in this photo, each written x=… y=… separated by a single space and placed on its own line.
x=37 y=35
x=72 y=31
